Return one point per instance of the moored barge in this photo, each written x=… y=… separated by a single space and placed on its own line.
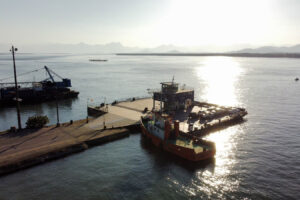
x=45 y=90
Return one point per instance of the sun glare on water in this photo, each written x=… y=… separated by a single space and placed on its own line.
x=222 y=179
x=219 y=75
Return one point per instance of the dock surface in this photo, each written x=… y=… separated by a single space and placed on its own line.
x=30 y=147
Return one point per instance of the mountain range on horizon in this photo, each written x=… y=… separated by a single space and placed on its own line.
x=271 y=49
x=117 y=47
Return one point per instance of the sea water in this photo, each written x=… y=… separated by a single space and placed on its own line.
x=257 y=159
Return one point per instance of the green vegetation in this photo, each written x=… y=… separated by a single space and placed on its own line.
x=37 y=121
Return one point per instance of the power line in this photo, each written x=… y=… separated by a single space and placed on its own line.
x=21 y=74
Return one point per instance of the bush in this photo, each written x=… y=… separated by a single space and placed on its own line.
x=37 y=121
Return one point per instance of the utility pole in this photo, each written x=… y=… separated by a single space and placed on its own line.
x=16 y=88
x=57 y=113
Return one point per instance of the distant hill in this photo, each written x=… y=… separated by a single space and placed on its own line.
x=266 y=52
x=114 y=47
x=117 y=47
x=72 y=48
x=271 y=49
x=159 y=49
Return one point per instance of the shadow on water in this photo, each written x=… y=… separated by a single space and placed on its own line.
x=221 y=127
x=67 y=103
x=8 y=113
x=163 y=158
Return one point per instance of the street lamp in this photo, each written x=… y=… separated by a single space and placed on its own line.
x=16 y=88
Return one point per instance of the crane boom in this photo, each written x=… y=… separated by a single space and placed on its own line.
x=55 y=74
x=48 y=71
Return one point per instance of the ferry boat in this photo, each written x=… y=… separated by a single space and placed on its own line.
x=180 y=122
x=161 y=133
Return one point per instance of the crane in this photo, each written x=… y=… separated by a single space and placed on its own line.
x=64 y=83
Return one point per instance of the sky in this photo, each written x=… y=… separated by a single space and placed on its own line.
x=150 y=23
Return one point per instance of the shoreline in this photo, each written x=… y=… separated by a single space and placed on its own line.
x=26 y=158
x=250 y=55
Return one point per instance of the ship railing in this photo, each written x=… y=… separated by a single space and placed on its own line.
x=153 y=90
x=184 y=87
x=126 y=99
x=96 y=102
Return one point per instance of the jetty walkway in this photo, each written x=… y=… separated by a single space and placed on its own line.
x=27 y=148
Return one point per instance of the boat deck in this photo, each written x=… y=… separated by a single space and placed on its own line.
x=188 y=144
x=204 y=115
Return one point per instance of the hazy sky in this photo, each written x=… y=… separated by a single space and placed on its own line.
x=148 y=23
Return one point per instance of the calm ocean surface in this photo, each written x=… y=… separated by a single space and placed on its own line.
x=258 y=159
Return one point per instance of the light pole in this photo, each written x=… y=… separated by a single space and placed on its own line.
x=57 y=112
x=16 y=88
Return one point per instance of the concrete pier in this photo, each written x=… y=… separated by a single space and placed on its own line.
x=31 y=147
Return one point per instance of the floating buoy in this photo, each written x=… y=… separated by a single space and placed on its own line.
x=297 y=79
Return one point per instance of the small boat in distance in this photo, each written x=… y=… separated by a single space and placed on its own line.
x=98 y=60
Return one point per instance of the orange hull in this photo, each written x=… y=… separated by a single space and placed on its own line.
x=186 y=153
